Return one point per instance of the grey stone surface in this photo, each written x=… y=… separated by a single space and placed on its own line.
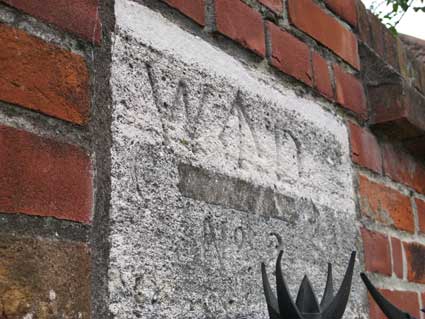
x=215 y=167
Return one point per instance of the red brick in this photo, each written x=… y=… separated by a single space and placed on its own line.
x=80 y=17
x=397 y=257
x=420 y=205
x=311 y=19
x=376 y=252
x=275 y=5
x=364 y=29
x=42 y=77
x=290 y=55
x=34 y=269
x=194 y=9
x=415 y=256
x=43 y=177
x=385 y=205
x=242 y=24
x=346 y=9
x=365 y=149
x=403 y=168
x=322 y=77
x=350 y=92
x=406 y=300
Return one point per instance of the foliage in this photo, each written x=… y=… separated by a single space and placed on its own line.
x=391 y=12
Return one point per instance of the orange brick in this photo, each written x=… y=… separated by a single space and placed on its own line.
x=42 y=77
x=310 y=18
x=290 y=55
x=365 y=149
x=322 y=77
x=241 y=23
x=385 y=205
x=346 y=9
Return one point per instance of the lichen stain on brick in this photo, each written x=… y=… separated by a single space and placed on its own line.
x=416 y=261
x=43 y=279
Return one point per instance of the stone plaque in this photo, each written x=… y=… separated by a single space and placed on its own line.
x=215 y=167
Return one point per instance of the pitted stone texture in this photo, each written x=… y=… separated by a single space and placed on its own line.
x=215 y=168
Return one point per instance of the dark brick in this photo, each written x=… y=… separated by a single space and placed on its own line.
x=415 y=256
x=403 y=168
x=420 y=205
x=47 y=279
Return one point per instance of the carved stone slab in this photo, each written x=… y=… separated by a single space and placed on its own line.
x=215 y=166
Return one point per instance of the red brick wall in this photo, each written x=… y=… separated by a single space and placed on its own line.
x=47 y=173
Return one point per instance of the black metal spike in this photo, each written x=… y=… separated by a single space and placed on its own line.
x=271 y=300
x=336 y=308
x=306 y=299
x=286 y=304
x=391 y=311
x=329 y=289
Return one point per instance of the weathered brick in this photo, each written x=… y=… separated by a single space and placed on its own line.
x=416 y=147
x=350 y=92
x=397 y=109
x=311 y=19
x=241 y=23
x=365 y=149
x=346 y=9
x=377 y=29
x=406 y=300
x=385 y=205
x=376 y=252
x=275 y=5
x=194 y=9
x=44 y=279
x=397 y=257
x=80 y=17
x=415 y=256
x=403 y=168
x=43 y=177
x=363 y=24
x=43 y=77
x=289 y=54
x=390 y=44
x=420 y=206
x=322 y=77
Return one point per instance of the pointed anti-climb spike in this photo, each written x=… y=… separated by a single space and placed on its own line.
x=306 y=299
x=391 y=311
x=271 y=300
x=336 y=308
x=329 y=289
x=286 y=305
